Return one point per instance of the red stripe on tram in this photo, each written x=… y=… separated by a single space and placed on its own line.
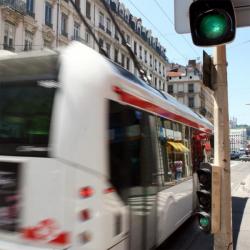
x=136 y=101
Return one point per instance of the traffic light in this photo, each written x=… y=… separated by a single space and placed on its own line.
x=212 y=22
x=204 y=196
x=208 y=70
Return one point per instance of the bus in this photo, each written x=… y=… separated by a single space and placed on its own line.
x=92 y=157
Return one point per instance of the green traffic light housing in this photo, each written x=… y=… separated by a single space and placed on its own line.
x=204 y=222
x=204 y=198
x=204 y=174
x=212 y=22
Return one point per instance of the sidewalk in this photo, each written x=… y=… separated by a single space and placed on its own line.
x=241 y=215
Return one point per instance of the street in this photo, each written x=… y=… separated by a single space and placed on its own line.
x=189 y=237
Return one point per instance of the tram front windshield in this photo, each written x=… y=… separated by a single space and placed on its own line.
x=25 y=115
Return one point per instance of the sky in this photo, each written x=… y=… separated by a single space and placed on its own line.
x=158 y=15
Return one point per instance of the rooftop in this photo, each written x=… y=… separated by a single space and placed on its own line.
x=136 y=25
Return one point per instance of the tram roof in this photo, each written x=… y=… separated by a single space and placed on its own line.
x=29 y=65
x=162 y=95
x=43 y=65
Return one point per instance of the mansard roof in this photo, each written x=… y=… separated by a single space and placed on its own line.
x=136 y=25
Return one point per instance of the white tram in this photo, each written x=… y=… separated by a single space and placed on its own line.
x=90 y=156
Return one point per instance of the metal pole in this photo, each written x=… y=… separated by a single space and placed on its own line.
x=223 y=239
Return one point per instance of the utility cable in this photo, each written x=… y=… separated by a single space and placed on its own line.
x=171 y=44
x=77 y=9
x=131 y=53
x=169 y=19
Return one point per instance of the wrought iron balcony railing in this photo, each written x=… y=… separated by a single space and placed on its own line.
x=8 y=47
x=17 y=5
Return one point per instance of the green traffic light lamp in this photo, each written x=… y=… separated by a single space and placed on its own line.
x=213 y=25
x=212 y=22
x=204 y=221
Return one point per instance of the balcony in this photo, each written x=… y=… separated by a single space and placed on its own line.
x=17 y=5
x=79 y=39
x=116 y=37
x=49 y=24
x=64 y=33
x=108 y=31
x=30 y=13
x=101 y=26
x=8 y=47
x=180 y=93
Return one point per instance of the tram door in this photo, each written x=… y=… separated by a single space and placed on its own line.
x=133 y=172
x=143 y=198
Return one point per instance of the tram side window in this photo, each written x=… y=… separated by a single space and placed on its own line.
x=175 y=141
x=130 y=149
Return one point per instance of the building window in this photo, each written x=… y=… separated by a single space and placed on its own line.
x=88 y=9
x=77 y=3
x=145 y=56
x=30 y=8
x=101 y=20
x=76 y=31
x=155 y=82
x=47 y=44
x=108 y=49
x=128 y=64
x=180 y=88
x=135 y=47
x=116 y=55
x=180 y=99
x=116 y=35
x=191 y=102
x=101 y=43
x=150 y=60
x=170 y=89
x=28 y=41
x=48 y=14
x=159 y=67
x=108 y=28
x=140 y=51
x=9 y=36
x=155 y=65
x=64 y=22
x=87 y=37
x=191 y=88
x=128 y=39
x=123 y=60
x=123 y=40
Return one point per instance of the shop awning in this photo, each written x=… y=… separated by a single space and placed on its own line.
x=183 y=147
x=174 y=145
x=178 y=146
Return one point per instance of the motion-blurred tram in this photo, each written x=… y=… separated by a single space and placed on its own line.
x=92 y=157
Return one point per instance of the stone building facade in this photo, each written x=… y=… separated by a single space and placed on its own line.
x=186 y=85
x=36 y=24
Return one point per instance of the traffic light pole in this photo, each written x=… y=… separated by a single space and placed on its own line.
x=222 y=239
